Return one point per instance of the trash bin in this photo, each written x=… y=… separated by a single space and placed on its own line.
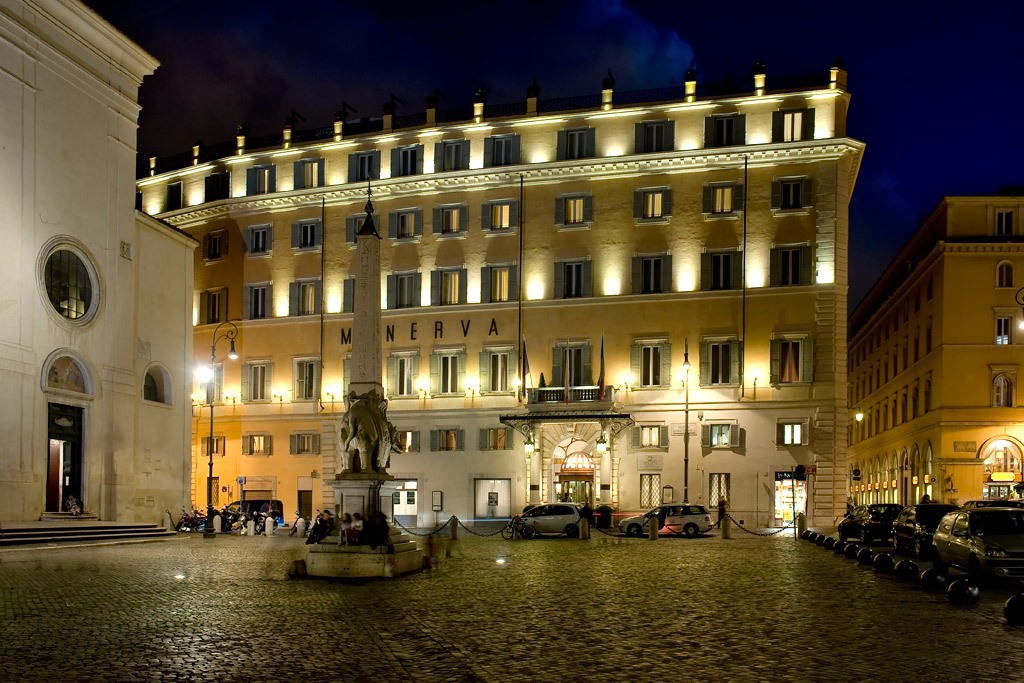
x=604 y=517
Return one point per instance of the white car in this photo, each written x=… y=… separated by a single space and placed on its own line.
x=677 y=519
x=554 y=518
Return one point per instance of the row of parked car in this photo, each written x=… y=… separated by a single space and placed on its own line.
x=985 y=538
x=563 y=518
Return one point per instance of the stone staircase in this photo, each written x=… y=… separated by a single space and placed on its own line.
x=54 y=530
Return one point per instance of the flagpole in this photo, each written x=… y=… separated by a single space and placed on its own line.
x=519 y=298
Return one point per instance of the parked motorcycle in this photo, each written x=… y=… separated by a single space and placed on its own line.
x=191 y=521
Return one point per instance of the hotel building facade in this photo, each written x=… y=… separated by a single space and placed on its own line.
x=935 y=354
x=675 y=264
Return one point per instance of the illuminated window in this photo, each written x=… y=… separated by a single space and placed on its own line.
x=449 y=374
x=501 y=215
x=500 y=283
x=257 y=444
x=257 y=382
x=650 y=490
x=447 y=440
x=653 y=204
x=496 y=439
x=405 y=369
x=792 y=126
x=406 y=224
x=405 y=290
x=650 y=436
x=1002 y=330
x=1002 y=388
x=68 y=284
x=574 y=210
x=789 y=358
x=307 y=379
x=721 y=435
x=1004 y=222
x=450 y=287
x=307 y=298
x=792 y=433
x=498 y=370
x=309 y=173
x=260 y=180
x=304 y=443
x=650 y=365
x=450 y=219
x=722 y=199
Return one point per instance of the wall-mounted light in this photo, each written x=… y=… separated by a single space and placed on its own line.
x=278 y=396
x=471 y=391
x=602 y=444
x=528 y=446
x=858 y=415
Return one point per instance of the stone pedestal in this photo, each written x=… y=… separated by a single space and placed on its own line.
x=353 y=493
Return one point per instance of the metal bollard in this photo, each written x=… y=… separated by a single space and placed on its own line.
x=584 y=529
x=652 y=529
x=300 y=527
x=168 y=524
x=268 y=526
x=727 y=527
x=250 y=527
x=218 y=523
x=801 y=524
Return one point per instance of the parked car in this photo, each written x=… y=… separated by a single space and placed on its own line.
x=251 y=507
x=869 y=522
x=995 y=503
x=556 y=518
x=678 y=519
x=987 y=541
x=914 y=527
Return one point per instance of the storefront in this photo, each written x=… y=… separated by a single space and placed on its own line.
x=790 y=497
x=1001 y=470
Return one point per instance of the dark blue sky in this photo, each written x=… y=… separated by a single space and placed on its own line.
x=937 y=86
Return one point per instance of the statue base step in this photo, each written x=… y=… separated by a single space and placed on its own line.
x=330 y=560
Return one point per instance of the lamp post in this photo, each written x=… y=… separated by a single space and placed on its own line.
x=686 y=419
x=230 y=335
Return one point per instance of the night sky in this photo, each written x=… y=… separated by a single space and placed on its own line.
x=937 y=91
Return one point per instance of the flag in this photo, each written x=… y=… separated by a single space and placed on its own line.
x=566 y=371
x=600 y=377
x=526 y=380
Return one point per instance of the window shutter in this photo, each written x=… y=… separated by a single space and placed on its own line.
x=806 y=266
x=318 y=234
x=557 y=356
x=805 y=192
x=462 y=372
x=666 y=201
x=807 y=125
x=740 y=130
x=670 y=135
x=392 y=291
x=560 y=155
x=464 y=156
x=775 y=361
x=776 y=194
x=246 y=372
x=484 y=441
x=708 y=199
x=293 y=444
x=392 y=385
x=433 y=439
x=417 y=222
x=293 y=298
x=348 y=295
x=705 y=364
x=738 y=199
x=247 y=240
x=709 y=132
x=413 y=447
x=638 y=268
x=485 y=371
x=246 y=445
x=485 y=217
x=435 y=288
x=560 y=211
x=774 y=267
x=245 y=302
x=417 y=289
x=638 y=138
x=778 y=121
x=638 y=204
x=634 y=363
x=320 y=173
x=488 y=152
x=485 y=284
x=436 y=227
x=250 y=181
x=375 y=164
x=588 y=208
x=735 y=352
x=435 y=373
x=513 y=283
x=206 y=246
x=460 y=439
x=705 y=272
x=636 y=435
x=268 y=381
x=298 y=176
x=316 y=443
x=223 y=313
x=780 y=434
x=591 y=142
x=439 y=157
x=588 y=375
x=663 y=436
x=463 y=285
x=396 y=162
x=350 y=229
x=513 y=370
x=666 y=273
x=393 y=225
x=559 y=279
x=353 y=168
x=508 y=438
x=666 y=365
x=419 y=159
x=295 y=235
x=463 y=218
x=513 y=214
x=588 y=278
x=807 y=360
x=515 y=149
x=705 y=436
x=737 y=273
x=734 y=436
x=805 y=434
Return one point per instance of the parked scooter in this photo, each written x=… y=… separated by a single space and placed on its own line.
x=295 y=524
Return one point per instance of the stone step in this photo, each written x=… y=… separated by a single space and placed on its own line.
x=68 y=517
x=73 y=532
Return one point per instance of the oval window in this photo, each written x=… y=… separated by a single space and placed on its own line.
x=68 y=284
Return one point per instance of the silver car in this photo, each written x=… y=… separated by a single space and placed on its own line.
x=554 y=518
x=678 y=519
x=985 y=542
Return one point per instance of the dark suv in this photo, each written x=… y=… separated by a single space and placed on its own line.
x=870 y=522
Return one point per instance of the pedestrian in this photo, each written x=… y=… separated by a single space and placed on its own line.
x=722 y=504
x=346 y=524
x=586 y=513
x=355 y=531
x=926 y=499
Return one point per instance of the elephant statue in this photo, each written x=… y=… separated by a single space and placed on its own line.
x=366 y=437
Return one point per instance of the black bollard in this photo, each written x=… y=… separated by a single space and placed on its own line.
x=840 y=547
x=829 y=543
x=906 y=570
x=820 y=540
x=851 y=550
x=866 y=556
x=933 y=580
x=805 y=535
x=963 y=593
x=884 y=563
x=1013 y=610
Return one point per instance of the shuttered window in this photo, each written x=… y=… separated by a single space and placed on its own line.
x=309 y=173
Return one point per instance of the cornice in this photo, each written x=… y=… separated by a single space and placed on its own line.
x=476 y=180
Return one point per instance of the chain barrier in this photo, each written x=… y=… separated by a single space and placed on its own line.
x=475 y=533
x=614 y=534
x=773 y=532
x=429 y=533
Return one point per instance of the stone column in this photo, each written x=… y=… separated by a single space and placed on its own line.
x=366 y=342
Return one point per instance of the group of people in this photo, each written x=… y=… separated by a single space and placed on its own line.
x=373 y=530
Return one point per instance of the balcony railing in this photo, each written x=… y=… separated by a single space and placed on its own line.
x=575 y=395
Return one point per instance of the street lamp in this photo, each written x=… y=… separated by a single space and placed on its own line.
x=686 y=419
x=1019 y=296
x=209 y=374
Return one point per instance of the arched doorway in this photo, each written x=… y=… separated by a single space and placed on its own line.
x=67 y=384
x=1002 y=468
x=574 y=471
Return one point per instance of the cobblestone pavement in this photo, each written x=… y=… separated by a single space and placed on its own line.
x=608 y=609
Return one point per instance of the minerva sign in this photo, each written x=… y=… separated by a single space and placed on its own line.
x=414 y=331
